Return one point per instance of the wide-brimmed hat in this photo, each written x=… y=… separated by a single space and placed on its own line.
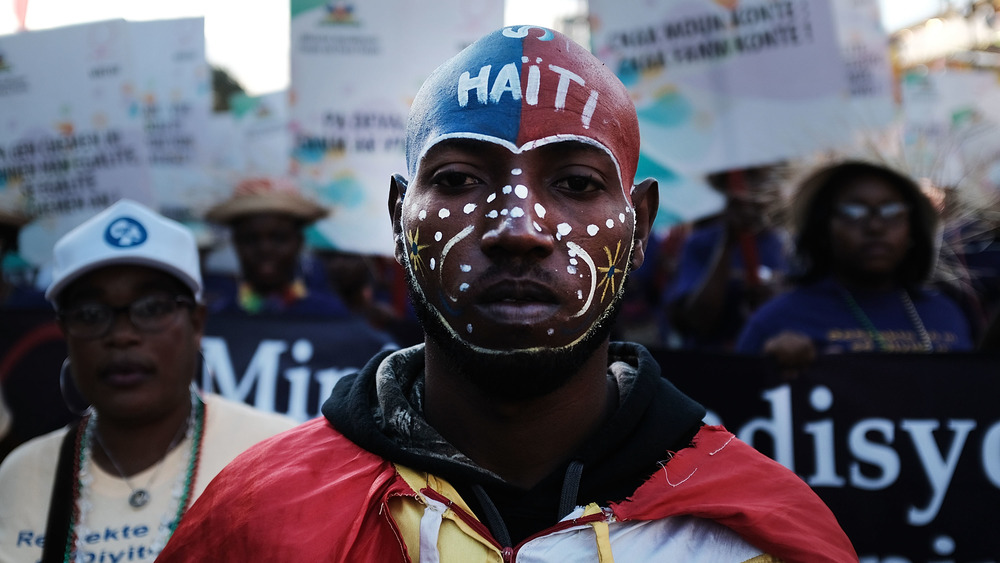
x=266 y=195
x=125 y=233
x=13 y=218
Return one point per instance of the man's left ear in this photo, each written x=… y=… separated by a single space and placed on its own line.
x=646 y=201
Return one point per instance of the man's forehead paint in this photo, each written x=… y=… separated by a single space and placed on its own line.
x=522 y=84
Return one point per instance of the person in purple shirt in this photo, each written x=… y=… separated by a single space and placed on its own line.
x=865 y=246
x=267 y=217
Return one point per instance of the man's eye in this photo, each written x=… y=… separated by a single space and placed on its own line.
x=450 y=179
x=579 y=184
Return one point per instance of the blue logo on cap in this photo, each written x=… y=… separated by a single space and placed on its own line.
x=125 y=233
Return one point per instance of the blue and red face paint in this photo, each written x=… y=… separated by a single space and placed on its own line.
x=523 y=86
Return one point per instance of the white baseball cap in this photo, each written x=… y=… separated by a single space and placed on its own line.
x=126 y=233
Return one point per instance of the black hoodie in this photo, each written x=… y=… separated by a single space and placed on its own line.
x=380 y=409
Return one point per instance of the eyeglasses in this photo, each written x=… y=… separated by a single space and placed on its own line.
x=148 y=314
x=859 y=212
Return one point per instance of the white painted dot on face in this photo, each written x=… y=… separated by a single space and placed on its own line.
x=463 y=287
x=521 y=191
x=539 y=210
x=517 y=212
x=538 y=59
x=524 y=59
x=610 y=223
x=621 y=217
x=492 y=214
x=579 y=294
x=563 y=228
x=468 y=328
x=465 y=268
x=574 y=261
x=491 y=197
x=444 y=213
x=469 y=208
x=571 y=269
x=507 y=189
x=515 y=172
x=423 y=214
x=537 y=226
x=592 y=229
x=437 y=236
x=504 y=212
x=433 y=263
x=551 y=331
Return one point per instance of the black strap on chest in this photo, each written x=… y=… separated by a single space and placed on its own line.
x=61 y=506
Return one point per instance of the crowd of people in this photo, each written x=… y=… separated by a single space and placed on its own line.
x=509 y=423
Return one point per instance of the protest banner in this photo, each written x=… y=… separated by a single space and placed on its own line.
x=173 y=83
x=724 y=85
x=904 y=448
x=71 y=130
x=356 y=66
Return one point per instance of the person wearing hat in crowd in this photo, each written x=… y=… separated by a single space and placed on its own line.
x=865 y=240
x=516 y=431
x=14 y=295
x=112 y=487
x=267 y=217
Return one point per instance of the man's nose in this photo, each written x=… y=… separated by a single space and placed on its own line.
x=518 y=226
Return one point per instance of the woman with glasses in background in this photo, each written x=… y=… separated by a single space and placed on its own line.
x=127 y=288
x=864 y=247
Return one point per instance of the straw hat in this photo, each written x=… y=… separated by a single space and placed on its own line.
x=13 y=218
x=266 y=195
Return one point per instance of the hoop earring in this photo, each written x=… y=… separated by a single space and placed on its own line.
x=206 y=374
x=71 y=395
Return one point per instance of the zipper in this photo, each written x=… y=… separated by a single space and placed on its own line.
x=507 y=553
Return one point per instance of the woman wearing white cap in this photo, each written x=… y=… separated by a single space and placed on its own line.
x=127 y=288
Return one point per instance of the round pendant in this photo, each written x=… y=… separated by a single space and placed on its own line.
x=138 y=498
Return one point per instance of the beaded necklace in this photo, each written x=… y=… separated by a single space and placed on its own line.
x=182 y=489
x=876 y=336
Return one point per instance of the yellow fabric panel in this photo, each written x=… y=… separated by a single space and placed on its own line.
x=764 y=559
x=457 y=541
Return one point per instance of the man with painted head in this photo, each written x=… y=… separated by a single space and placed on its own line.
x=517 y=432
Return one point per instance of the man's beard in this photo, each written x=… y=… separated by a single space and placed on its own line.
x=511 y=375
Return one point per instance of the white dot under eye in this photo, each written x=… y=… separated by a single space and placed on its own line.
x=491 y=197
x=574 y=261
x=610 y=223
x=515 y=172
x=571 y=269
x=507 y=189
x=579 y=294
x=621 y=217
x=492 y=214
x=524 y=59
x=463 y=287
x=504 y=212
x=539 y=210
x=433 y=263
x=469 y=208
x=538 y=59
x=537 y=226
x=468 y=328
x=517 y=212
x=444 y=213
x=592 y=229
x=521 y=191
x=465 y=268
x=551 y=331
x=437 y=236
x=563 y=228
x=423 y=214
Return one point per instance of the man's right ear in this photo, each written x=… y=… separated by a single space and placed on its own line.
x=397 y=190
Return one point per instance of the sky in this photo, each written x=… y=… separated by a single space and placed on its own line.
x=252 y=44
